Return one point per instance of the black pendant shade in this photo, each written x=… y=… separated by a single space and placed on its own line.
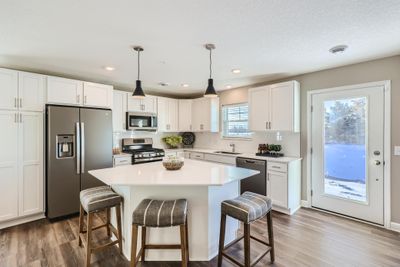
x=138 y=93
x=210 y=91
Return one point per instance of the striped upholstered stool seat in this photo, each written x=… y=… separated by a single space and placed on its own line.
x=248 y=207
x=160 y=213
x=98 y=198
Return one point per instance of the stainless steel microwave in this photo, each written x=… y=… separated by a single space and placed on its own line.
x=139 y=121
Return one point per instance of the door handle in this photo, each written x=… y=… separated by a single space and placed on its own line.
x=77 y=148
x=82 y=147
x=377 y=162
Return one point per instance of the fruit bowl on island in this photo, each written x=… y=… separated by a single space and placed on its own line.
x=173 y=163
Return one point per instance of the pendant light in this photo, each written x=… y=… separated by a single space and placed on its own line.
x=138 y=93
x=210 y=91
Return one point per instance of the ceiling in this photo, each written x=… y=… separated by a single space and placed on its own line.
x=265 y=39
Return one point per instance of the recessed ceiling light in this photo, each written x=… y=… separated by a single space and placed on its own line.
x=228 y=86
x=109 y=68
x=236 y=71
x=163 y=83
x=339 y=49
x=185 y=85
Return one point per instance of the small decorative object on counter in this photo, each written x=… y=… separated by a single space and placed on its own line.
x=116 y=151
x=188 y=139
x=172 y=141
x=173 y=163
x=269 y=150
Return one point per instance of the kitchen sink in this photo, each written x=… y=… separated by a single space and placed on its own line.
x=227 y=152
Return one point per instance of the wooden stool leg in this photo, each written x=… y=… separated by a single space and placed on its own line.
x=271 y=236
x=118 y=215
x=134 y=245
x=247 y=245
x=81 y=221
x=221 y=239
x=108 y=222
x=183 y=245
x=187 y=240
x=143 y=255
x=89 y=238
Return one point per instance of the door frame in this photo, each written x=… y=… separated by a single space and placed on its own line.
x=387 y=142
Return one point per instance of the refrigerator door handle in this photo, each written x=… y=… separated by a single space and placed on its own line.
x=83 y=147
x=78 y=148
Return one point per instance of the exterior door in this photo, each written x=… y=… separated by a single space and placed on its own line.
x=347 y=152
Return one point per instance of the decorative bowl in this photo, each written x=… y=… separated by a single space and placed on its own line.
x=173 y=163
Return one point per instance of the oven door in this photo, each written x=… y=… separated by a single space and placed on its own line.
x=141 y=121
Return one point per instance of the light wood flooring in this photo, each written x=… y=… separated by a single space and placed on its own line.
x=308 y=238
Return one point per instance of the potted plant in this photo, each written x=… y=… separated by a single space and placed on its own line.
x=172 y=141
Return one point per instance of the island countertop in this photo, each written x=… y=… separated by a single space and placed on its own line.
x=194 y=172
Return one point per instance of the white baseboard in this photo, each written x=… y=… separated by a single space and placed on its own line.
x=22 y=220
x=395 y=226
x=305 y=204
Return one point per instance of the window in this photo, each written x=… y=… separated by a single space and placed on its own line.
x=236 y=121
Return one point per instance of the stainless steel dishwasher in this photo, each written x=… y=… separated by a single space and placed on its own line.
x=256 y=183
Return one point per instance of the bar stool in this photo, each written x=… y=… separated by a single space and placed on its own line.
x=159 y=213
x=246 y=208
x=94 y=200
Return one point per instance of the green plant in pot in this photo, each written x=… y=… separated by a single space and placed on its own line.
x=172 y=141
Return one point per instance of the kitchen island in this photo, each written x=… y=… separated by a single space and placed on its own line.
x=204 y=184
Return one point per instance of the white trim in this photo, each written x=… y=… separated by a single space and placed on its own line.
x=22 y=220
x=304 y=203
x=395 y=226
x=387 y=142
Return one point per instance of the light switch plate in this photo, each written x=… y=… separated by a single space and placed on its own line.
x=397 y=150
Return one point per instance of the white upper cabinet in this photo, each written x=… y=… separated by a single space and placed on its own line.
x=8 y=165
x=147 y=104
x=167 y=114
x=259 y=110
x=185 y=115
x=275 y=107
x=205 y=114
x=98 y=95
x=30 y=163
x=64 y=91
x=9 y=89
x=31 y=90
x=119 y=109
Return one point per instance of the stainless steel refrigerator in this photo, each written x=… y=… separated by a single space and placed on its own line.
x=77 y=140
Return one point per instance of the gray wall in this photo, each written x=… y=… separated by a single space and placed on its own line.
x=377 y=70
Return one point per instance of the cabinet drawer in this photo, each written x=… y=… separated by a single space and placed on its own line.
x=275 y=166
x=122 y=161
x=196 y=155
x=220 y=159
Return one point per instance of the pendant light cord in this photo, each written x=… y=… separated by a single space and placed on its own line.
x=138 y=63
x=210 y=64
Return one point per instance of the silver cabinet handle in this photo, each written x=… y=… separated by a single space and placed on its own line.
x=83 y=147
x=20 y=117
x=269 y=125
x=15 y=118
x=15 y=102
x=85 y=99
x=20 y=102
x=77 y=148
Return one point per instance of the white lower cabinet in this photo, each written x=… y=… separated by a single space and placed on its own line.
x=284 y=185
x=21 y=165
x=122 y=160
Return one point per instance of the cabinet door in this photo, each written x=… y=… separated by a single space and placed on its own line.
x=119 y=110
x=9 y=89
x=205 y=114
x=64 y=91
x=8 y=165
x=185 y=115
x=173 y=115
x=31 y=163
x=196 y=115
x=162 y=115
x=282 y=96
x=98 y=95
x=31 y=91
x=277 y=188
x=149 y=104
x=259 y=109
x=134 y=104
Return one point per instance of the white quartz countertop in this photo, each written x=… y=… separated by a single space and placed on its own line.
x=193 y=173
x=244 y=155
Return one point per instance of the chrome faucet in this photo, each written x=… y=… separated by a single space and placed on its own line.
x=232 y=145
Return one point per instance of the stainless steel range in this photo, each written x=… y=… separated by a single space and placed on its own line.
x=142 y=150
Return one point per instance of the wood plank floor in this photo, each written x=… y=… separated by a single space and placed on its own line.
x=308 y=238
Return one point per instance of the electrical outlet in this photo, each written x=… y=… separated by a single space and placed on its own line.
x=397 y=150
